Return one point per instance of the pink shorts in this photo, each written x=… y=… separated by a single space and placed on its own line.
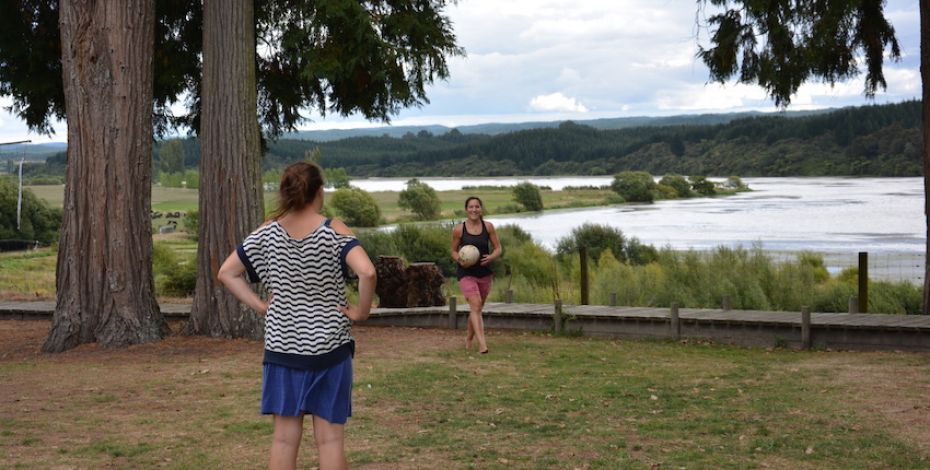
x=474 y=286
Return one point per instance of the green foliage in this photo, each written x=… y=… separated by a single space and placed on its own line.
x=735 y=182
x=702 y=185
x=377 y=243
x=188 y=179
x=191 y=221
x=421 y=199
x=599 y=238
x=634 y=186
x=880 y=140
x=823 y=41
x=426 y=243
x=175 y=275
x=356 y=206
x=37 y=222
x=171 y=156
x=336 y=177
x=403 y=46
x=677 y=182
x=527 y=194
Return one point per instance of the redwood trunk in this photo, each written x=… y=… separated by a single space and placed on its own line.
x=925 y=106
x=105 y=288
x=230 y=171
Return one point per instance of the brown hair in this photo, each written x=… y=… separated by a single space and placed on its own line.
x=299 y=185
x=475 y=198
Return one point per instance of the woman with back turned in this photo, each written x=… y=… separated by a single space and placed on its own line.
x=475 y=280
x=302 y=258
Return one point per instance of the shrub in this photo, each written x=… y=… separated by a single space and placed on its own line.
x=191 y=221
x=679 y=183
x=598 y=238
x=702 y=185
x=356 y=206
x=38 y=221
x=377 y=243
x=421 y=199
x=527 y=194
x=426 y=243
x=634 y=186
x=174 y=276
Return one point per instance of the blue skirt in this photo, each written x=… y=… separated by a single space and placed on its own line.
x=326 y=393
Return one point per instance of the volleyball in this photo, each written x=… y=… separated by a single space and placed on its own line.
x=468 y=255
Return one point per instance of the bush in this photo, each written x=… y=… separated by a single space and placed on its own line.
x=679 y=183
x=634 y=186
x=421 y=199
x=38 y=221
x=174 y=276
x=426 y=243
x=599 y=238
x=191 y=221
x=527 y=194
x=702 y=185
x=356 y=206
x=377 y=243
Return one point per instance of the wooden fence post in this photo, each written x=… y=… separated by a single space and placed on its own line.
x=583 y=251
x=863 y=282
x=675 y=323
x=805 y=327
x=557 y=316
x=452 y=313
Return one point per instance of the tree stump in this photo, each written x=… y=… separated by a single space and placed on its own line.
x=424 y=285
x=417 y=285
x=392 y=282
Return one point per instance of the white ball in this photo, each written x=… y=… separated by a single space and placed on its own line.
x=468 y=255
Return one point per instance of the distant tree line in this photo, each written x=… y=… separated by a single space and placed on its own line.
x=876 y=140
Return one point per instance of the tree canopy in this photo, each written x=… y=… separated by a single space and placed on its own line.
x=302 y=59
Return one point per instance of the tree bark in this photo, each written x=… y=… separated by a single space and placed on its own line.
x=925 y=106
x=104 y=282
x=230 y=166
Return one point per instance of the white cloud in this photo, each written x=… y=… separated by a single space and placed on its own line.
x=556 y=102
x=606 y=58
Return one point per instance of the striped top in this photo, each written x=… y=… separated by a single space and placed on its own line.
x=304 y=328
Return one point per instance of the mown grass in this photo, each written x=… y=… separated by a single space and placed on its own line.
x=564 y=403
x=534 y=402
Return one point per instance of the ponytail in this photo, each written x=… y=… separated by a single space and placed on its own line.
x=300 y=183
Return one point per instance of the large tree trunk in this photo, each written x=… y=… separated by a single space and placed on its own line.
x=230 y=171
x=925 y=106
x=104 y=275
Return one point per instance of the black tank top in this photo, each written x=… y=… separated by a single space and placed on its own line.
x=482 y=241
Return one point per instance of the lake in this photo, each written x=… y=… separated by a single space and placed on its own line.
x=835 y=216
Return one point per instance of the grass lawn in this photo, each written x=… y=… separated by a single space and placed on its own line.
x=421 y=401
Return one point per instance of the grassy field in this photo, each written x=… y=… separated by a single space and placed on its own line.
x=495 y=200
x=421 y=401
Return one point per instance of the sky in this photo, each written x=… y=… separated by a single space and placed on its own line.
x=550 y=60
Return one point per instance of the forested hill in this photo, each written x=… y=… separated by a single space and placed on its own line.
x=878 y=140
x=502 y=128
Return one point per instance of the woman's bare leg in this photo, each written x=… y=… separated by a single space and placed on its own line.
x=475 y=322
x=285 y=442
x=330 y=442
